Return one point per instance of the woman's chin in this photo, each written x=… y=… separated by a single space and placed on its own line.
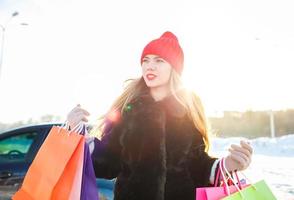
x=152 y=85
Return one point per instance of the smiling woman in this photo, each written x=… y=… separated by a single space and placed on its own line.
x=159 y=137
x=156 y=73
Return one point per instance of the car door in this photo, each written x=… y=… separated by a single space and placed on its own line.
x=17 y=150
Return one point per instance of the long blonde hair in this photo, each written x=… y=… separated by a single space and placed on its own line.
x=188 y=99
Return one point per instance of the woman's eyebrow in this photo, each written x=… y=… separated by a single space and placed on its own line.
x=155 y=57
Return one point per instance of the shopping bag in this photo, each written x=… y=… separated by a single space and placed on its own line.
x=77 y=182
x=66 y=185
x=215 y=193
x=89 y=190
x=53 y=170
x=259 y=190
x=218 y=192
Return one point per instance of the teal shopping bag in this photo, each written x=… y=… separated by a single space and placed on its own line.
x=258 y=191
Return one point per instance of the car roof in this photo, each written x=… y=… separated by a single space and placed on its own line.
x=29 y=126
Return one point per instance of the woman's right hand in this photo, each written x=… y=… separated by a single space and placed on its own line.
x=77 y=115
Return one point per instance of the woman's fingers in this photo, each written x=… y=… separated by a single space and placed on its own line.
x=77 y=115
x=78 y=109
x=240 y=156
x=84 y=119
x=81 y=117
x=241 y=149
x=239 y=162
x=82 y=112
x=246 y=145
x=243 y=157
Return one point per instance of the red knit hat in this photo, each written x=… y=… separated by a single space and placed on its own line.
x=168 y=48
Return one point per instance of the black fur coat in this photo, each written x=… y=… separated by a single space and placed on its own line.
x=154 y=151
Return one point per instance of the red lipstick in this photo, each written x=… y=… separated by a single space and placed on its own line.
x=150 y=76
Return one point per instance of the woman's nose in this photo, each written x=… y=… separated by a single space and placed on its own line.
x=151 y=66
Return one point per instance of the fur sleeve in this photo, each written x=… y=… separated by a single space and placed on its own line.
x=107 y=154
x=200 y=163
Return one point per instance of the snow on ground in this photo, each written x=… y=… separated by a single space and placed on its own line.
x=273 y=161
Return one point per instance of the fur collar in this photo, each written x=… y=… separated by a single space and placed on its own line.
x=169 y=104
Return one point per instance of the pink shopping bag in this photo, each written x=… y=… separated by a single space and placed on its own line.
x=77 y=183
x=217 y=192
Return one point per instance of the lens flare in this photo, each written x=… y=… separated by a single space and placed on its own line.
x=114 y=116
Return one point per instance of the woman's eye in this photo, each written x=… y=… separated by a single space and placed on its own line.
x=145 y=60
x=159 y=60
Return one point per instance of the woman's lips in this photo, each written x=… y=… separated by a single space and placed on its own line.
x=150 y=76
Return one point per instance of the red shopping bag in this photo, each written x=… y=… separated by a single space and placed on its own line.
x=52 y=172
x=218 y=192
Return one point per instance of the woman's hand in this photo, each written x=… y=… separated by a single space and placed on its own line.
x=76 y=115
x=239 y=157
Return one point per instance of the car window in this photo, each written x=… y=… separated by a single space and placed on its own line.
x=16 y=147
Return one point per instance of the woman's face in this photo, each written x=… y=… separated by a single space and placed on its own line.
x=156 y=71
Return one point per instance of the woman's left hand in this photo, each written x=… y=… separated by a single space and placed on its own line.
x=239 y=157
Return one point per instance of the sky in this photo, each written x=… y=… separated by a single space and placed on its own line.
x=238 y=54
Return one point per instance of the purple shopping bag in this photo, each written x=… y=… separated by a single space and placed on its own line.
x=89 y=189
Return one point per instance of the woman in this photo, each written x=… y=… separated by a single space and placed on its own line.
x=155 y=136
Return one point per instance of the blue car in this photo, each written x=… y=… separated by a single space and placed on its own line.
x=18 y=148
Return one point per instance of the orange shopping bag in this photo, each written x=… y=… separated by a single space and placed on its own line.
x=52 y=172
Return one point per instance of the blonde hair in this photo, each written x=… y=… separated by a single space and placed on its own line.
x=188 y=99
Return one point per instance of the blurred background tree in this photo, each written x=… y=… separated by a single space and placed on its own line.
x=249 y=124
x=252 y=124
